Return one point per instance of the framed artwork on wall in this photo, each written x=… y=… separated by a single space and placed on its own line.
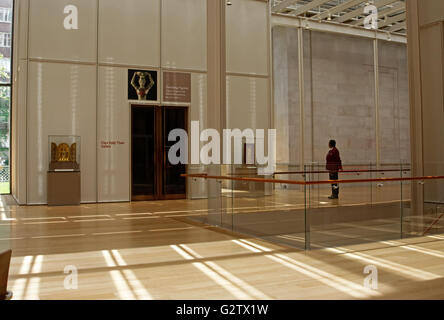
x=142 y=85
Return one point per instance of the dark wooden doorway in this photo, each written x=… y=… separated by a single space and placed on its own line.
x=153 y=177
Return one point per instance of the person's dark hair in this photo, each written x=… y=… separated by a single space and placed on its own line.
x=332 y=143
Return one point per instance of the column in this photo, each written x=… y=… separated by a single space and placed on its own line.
x=216 y=63
x=425 y=24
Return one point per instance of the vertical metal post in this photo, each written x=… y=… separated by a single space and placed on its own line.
x=402 y=206
x=301 y=95
x=376 y=70
x=307 y=217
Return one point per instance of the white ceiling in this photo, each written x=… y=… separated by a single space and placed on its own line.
x=391 y=13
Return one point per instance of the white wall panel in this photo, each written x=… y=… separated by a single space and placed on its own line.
x=129 y=32
x=18 y=136
x=247 y=37
x=430 y=11
x=21 y=10
x=184 y=34
x=62 y=101
x=113 y=114
x=67 y=98
x=48 y=38
x=247 y=102
x=198 y=188
x=198 y=110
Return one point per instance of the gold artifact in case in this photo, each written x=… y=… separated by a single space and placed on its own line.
x=63 y=178
x=64 y=153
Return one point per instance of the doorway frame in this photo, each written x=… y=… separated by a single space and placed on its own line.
x=160 y=156
x=180 y=195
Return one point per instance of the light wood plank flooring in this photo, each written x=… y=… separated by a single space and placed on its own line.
x=153 y=250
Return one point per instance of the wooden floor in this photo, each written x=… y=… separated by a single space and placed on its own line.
x=152 y=250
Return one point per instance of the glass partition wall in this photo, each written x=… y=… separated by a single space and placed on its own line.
x=348 y=88
x=297 y=212
x=353 y=90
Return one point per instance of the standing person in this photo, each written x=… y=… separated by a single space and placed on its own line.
x=334 y=164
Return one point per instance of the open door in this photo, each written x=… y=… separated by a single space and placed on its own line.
x=153 y=176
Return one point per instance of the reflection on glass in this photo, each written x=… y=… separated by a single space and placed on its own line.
x=5 y=41
x=5 y=94
x=6 y=18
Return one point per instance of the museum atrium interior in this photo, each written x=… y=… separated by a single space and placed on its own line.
x=177 y=149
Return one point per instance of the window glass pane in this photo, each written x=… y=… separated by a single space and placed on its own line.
x=5 y=99
x=5 y=41
x=5 y=14
x=5 y=93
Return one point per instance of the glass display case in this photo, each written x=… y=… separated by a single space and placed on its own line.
x=64 y=153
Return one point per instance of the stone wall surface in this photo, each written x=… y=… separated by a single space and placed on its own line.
x=339 y=98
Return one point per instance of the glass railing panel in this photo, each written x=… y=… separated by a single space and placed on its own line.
x=271 y=211
x=360 y=221
x=408 y=219
x=433 y=191
x=197 y=191
x=365 y=211
x=423 y=213
x=215 y=200
x=437 y=226
x=226 y=198
x=375 y=204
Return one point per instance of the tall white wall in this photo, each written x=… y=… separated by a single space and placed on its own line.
x=74 y=82
x=248 y=64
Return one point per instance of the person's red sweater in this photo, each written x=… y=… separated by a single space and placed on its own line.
x=334 y=162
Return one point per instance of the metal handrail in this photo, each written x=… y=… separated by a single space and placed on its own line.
x=342 y=171
x=326 y=171
x=296 y=182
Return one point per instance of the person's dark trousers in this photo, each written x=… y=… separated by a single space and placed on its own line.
x=334 y=187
